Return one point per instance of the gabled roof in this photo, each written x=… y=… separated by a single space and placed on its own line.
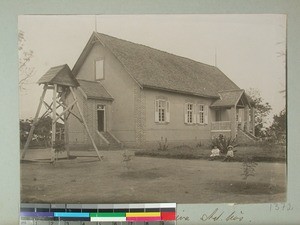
x=94 y=90
x=152 y=68
x=230 y=98
x=59 y=75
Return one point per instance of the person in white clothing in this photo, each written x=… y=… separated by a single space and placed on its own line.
x=230 y=154
x=215 y=152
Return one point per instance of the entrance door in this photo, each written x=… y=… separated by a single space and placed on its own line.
x=101 y=119
x=218 y=115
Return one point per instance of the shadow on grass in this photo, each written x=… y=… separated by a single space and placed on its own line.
x=252 y=188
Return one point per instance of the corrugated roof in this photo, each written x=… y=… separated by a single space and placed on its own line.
x=157 y=69
x=228 y=98
x=59 y=75
x=94 y=90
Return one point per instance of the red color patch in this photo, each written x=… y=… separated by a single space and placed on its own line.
x=168 y=216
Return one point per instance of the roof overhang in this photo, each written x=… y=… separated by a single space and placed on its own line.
x=180 y=92
x=231 y=98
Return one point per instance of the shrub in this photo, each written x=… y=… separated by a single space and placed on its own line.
x=223 y=143
x=59 y=146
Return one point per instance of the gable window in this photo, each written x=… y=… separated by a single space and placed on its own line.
x=99 y=69
x=162 y=111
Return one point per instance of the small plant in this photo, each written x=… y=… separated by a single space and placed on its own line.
x=199 y=145
x=59 y=147
x=223 y=143
x=248 y=168
x=127 y=159
x=163 y=144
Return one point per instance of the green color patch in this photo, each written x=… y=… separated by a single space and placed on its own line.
x=118 y=214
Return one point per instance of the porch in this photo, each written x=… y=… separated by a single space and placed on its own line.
x=226 y=126
x=232 y=112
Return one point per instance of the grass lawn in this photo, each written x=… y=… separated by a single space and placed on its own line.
x=147 y=179
x=267 y=153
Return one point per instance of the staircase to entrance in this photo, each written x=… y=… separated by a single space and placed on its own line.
x=110 y=140
x=246 y=137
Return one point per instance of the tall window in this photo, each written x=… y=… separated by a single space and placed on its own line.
x=201 y=113
x=162 y=111
x=189 y=113
x=99 y=69
x=196 y=113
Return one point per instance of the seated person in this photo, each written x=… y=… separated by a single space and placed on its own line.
x=215 y=152
x=229 y=154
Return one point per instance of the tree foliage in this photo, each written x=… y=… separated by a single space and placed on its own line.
x=278 y=127
x=25 y=70
x=42 y=132
x=262 y=110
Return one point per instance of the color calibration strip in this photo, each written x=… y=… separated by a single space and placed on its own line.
x=131 y=213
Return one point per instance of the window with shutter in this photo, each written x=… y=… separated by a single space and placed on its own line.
x=201 y=114
x=189 y=113
x=162 y=111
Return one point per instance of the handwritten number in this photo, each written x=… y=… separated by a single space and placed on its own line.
x=282 y=207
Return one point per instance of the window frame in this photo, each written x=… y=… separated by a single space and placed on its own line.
x=162 y=111
x=190 y=113
x=201 y=113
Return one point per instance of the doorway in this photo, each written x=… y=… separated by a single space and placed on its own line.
x=101 y=117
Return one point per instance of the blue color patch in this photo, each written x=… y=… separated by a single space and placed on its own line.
x=71 y=214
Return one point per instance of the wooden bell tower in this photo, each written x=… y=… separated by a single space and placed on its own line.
x=61 y=80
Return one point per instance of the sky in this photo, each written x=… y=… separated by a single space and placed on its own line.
x=246 y=47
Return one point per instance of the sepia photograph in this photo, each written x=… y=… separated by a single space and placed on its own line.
x=182 y=109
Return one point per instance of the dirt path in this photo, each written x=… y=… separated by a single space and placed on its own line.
x=144 y=179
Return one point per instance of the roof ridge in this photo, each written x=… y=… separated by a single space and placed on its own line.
x=231 y=90
x=62 y=65
x=152 y=48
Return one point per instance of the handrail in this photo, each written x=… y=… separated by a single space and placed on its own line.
x=221 y=125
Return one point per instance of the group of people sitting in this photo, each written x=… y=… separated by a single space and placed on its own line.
x=215 y=153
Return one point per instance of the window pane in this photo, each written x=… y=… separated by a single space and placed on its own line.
x=99 y=70
x=201 y=107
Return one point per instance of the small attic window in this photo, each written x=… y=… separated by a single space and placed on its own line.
x=99 y=69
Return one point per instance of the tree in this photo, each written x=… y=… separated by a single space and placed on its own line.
x=42 y=132
x=24 y=130
x=262 y=110
x=278 y=127
x=25 y=70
